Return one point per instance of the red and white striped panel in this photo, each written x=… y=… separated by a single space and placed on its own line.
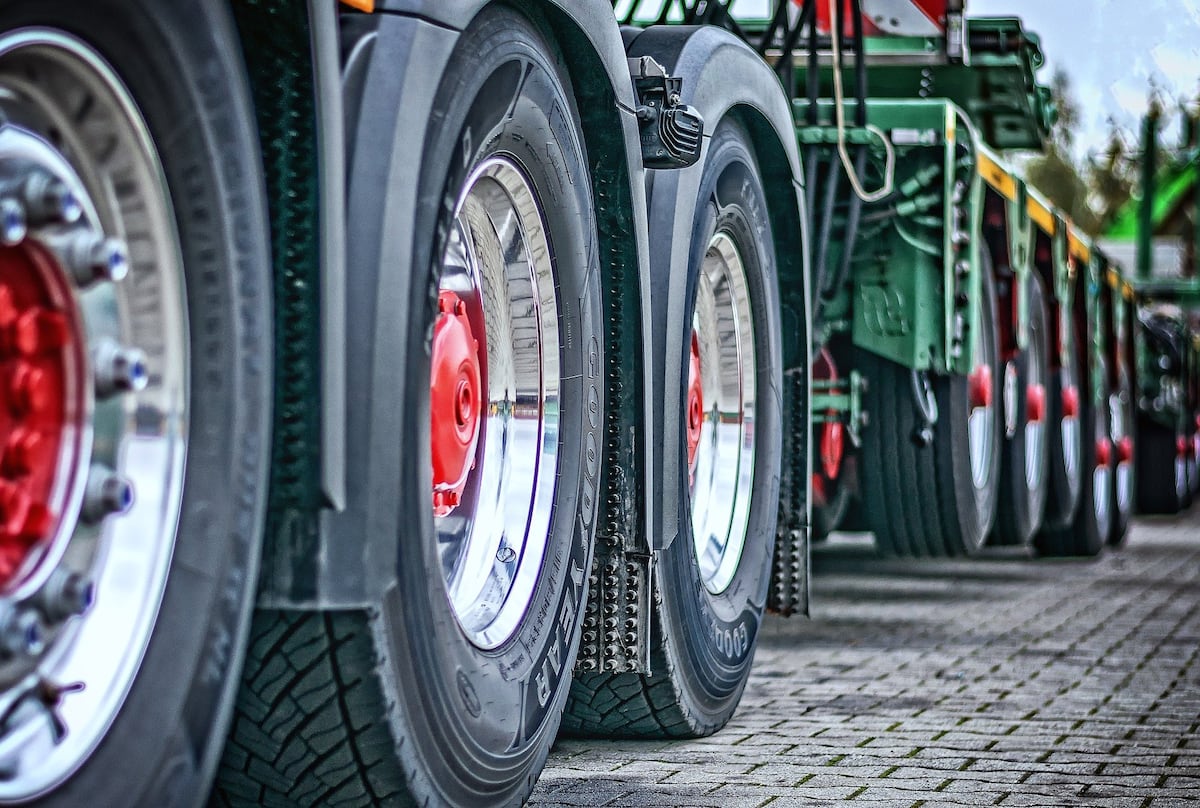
x=889 y=17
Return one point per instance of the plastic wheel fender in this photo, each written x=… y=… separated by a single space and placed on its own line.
x=719 y=73
x=393 y=63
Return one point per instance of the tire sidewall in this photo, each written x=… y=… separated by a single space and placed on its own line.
x=718 y=632
x=1027 y=502
x=456 y=700
x=1093 y=528
x=180 y=64
x=976 y=507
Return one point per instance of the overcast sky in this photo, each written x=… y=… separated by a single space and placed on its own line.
x=1111 y=49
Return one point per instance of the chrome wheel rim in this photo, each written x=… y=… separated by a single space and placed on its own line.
x=1069 y=431
x=721 y=469
x=1035 y=420
x=981 y=423
x=107 y=233
x=492 y=537
x=1119 y=409
x=1102 y=473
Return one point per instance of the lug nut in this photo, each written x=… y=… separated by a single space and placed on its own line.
x=29 y=390
x=13 y=226
x=118 y=369
x=40 y=331
x=19 y=452
x=49 y=200
x=106 y=493
x=93 y=258
x=66 y=594
x=20 y=632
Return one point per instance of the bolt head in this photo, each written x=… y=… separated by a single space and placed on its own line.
x=107 y=493
x=94 y=258
x=117 y=494
x=13 y=226
x=22 y=633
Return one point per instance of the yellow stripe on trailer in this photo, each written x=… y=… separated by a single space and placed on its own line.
x=1077 y=246
x=1040 y=213
x=362 y=5
x=997 y=176
x=1127 y=291
x=1114 y=279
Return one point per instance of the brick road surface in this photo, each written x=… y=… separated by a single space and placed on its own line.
x=1001 y=681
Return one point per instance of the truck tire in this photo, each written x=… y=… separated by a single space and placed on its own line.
x=1161 y=474
x=939 y=499
x=1025 y=458
x=832 y=515
x=449 y=689
x=1087 y=535
x=1193 y=463
x=1122 y=431
x=1065 y=436
x=135 y=242
x=713 y=578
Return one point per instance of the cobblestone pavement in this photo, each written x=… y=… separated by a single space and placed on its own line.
x=1001 y=681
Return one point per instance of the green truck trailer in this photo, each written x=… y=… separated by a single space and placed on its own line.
x=389 y=385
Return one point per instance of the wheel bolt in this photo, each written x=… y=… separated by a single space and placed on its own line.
x=40 y=331
x=93 y=258
x=20 y=631
x=13 y=226
x=46 y=199
x=118 y=369
x=66 y=594
x=106 y=493
x=19 y=452
x=28 y=390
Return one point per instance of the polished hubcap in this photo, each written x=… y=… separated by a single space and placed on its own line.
x=981 y=423
x=723 y=478
x=1035 y=419
x=1119 y=411
x=494 y=402
x=1102 y=473
x=93 y=408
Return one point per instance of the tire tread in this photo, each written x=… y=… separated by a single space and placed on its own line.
x=309 y=727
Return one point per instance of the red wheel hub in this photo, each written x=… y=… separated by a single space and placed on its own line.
x=1070 y=402
x=819 y=495
x=1035 y=403
x=695 y=406
x=1103 y=453
x=1125 y=450
x=455 y=402
x=37 y=359
x=833 y=448
x=831 y=444
x=979 y=387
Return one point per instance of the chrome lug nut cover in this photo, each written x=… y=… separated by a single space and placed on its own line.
x=92 y=258
x=66 y=594
x=49 y=200
x=20 y=631
x=118 y=369
x=106 y=493
x=13 y=224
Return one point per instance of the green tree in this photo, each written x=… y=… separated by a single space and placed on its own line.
x=1055 y=173
x=1111 y=177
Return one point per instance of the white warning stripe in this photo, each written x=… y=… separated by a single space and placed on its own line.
x=900 y=18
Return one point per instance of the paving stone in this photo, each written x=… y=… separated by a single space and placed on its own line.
x=1002 y=680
